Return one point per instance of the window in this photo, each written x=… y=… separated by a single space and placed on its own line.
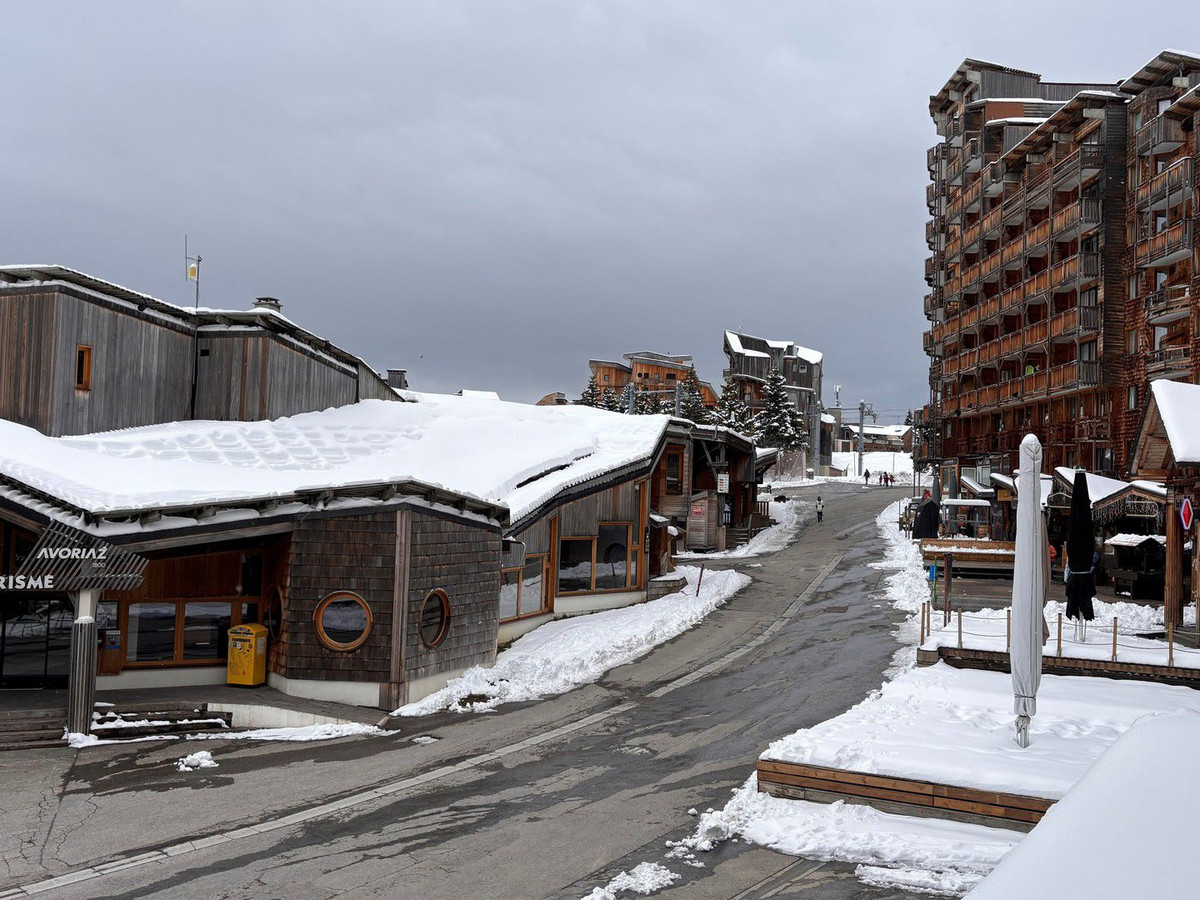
x=612 y=558
x=1087 y=351
x=1131 y=341
x=435 y=618
x=83 y=368
x=343 y=621
x=1131 y=399
x=575 y=564
x=674 y=471
x=151 y=633
x=607 y=377
x=510 y=593
x=206 y=630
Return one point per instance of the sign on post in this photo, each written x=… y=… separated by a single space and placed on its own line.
x=1185 y=514
x=723 y=483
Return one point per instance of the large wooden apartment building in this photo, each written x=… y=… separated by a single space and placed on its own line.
x=1060 y=274
x=648 y=370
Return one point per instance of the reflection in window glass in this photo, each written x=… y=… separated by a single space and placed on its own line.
x=151 y=635
x=344 y=620
x=531 y=587
x=575 y=565
x=510 y=586
x=106 y=614
x=205 y=630
x=435 y=618
x=612 y=557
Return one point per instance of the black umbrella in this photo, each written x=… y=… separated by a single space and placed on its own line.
x=1081 y=579
x=926 y=524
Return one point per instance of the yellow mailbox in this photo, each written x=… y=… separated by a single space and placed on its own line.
x=247 y=655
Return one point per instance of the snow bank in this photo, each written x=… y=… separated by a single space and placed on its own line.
x=562 y=655
x=938 y=855
x=790 y=517
x=644 y=878
x=202 y=759
x=1133 y=832
x=302 y=733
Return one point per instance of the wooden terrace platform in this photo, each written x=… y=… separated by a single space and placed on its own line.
x=997 y=661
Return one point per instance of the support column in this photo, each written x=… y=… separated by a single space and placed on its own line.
x=81 y=688
x=1173 y=577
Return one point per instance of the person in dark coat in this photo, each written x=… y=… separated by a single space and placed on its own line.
x=866 y=477
x=926 y=523
x=1079 y=577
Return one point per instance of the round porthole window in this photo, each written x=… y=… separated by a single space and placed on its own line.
x=435 y=618
x=274 y=614
x=343 y=621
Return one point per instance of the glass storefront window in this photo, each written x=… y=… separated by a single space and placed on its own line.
x=575 y=564
x=151 y=635
x=532 y=586
x=612 y=558
x=510 y=589
x=206 y=630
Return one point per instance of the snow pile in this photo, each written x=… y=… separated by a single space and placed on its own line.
x=907 y=588
x=562 y=655
x=938 y=855
x=955 y=726
x=324 y=732
x=201 y=759
x=1135 y=834
x=790 y=516
x=645 y=878
x=533 y=453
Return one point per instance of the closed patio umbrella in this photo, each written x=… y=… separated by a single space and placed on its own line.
x=926 y=523
x=1080 y=579
x=1031 y=584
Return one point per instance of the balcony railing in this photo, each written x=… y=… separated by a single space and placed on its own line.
x=990 y=265
x=1037 y=332
x=935 y=230
x=1064 y=323
x=1087 y=372
x=1036 y=284
x=1167 y=246
x=1167 y=187
x=954 y=209
x=1037 y=189
x=1092 y=428
x=991 y=220
x=1080 y=267
x=934 y=265
x=1169 y=304
x=1089 y=319
x=1168 y=360
x=1037 y=239
x=935 y=155
x=1160 y=135
x=972 y=195
x=971 y=234
x=1013 y=251
x=1077 y=166
x=1080 y=214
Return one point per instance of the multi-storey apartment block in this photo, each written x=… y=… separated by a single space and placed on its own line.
x=751 y=360
x=648 y=370
x=1060 y=274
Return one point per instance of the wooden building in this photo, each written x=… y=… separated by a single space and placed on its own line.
x=648 y=370
x=83 y=355
x=1060 y=273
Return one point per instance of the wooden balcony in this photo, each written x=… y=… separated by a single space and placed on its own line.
x=1034 y=383
x=1169 y=361
x=1092 y=428
x=1012 y=296
x=972 y=154
x=1168 y=187
x=1078 y=218
x=1013 y=207
x=1038 y=283
x=1012 y=343
x=934 y=265
x=935 y=156
x=990 y=267
x=1037 y=190
x=1064 y=323
x=1087 y=372
x=971 y=235
x=1037 y=333
x=1089 y=319
x=1075 y=269
x=954 y=210
x=1062 y=376
x=935 y=200
x=1170 y=245
x=972 y=196
x=1037 y=239
x=994 y=179
x=1013 y=252
x=971 y=274
x=935 y=232
x=1169 y=304
x=1160 y=135
x=1079 y=166
x=991 y=220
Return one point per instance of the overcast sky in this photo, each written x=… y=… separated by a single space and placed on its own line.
x=491 y=193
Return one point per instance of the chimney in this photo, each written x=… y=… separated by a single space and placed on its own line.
x=269 y=303
x=398 y=378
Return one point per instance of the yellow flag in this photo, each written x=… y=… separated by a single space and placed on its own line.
x=193 y=272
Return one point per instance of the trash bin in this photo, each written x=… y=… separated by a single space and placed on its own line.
x=247 y=655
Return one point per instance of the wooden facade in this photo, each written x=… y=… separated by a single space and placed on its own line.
x=648 y=370
x=1061 y=275
x=143 y=356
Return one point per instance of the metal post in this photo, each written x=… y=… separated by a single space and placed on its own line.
x=1170 y=644
x=922 y=641
x=960 y=629
x=632 y=398
x=1114 y=659
x=678 y=400
x=949 y=577
x=862 y=412
x=1060 y=635
x=1008 y=630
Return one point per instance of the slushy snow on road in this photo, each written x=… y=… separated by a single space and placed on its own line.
x=202 y=759
x=644 y=879
x=560 y=656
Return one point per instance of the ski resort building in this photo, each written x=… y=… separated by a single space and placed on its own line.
x=1061 y=276
x=648 y=370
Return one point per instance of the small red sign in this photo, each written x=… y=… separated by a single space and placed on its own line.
x=697 y=510
x=1185 y=514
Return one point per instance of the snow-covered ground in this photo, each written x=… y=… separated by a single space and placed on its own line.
x=790 y=516
x=298 y=733
x=562 y=655
x=945 y=725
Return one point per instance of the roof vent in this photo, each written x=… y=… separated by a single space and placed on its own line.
x=397 y=378
x=268 y=303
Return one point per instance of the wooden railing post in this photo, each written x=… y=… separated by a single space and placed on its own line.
x=1170 y=644
x=1114 y=658
x=1060 y=635
x=960 y=629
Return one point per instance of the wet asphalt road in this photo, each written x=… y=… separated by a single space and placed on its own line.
x=551 y=819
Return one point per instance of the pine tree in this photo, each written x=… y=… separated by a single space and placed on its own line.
x=611 y=401
x=779 y=424
x=646 y=404
x=691 y=400
x=732 y=411
x=908 y=419
x=591 y=394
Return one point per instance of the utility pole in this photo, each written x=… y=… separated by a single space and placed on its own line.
x=193 y=273
x=632 y=408
x=864 y=410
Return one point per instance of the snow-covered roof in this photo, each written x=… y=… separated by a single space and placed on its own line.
x=828 y=419
x=1134 y=540
x=1150 y=487
x=976 y=487
x=964 y=501
x=1099 y=487
x=897 y=431
x=788 y=348
x=1010 y=483
x=509 y=454
x=1177 y=404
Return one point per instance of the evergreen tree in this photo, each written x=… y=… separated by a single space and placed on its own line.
x=908 y=419
x=591 y=394
x=732 y=411
x=646 y=403
x=691 y=400
x=779 y=424
x=611 y=401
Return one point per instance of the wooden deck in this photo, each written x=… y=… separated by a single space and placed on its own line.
x=796 y=781
x=997 y=661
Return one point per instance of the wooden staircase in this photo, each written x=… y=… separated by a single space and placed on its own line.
x=27 y=729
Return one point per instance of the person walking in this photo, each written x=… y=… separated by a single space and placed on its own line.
x=820 y=508
x=866 y=477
